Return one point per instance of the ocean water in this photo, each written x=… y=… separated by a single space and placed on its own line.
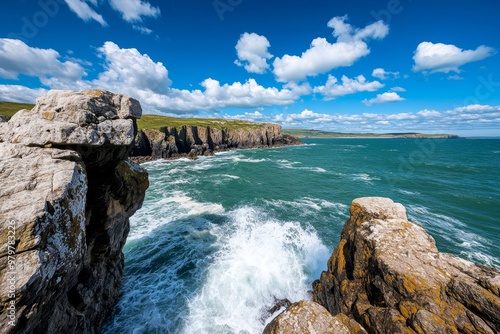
x=220 y=239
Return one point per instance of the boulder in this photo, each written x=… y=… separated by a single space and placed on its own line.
x=92 y=117
x=66 y=197
x=387 y=274
x=307 y=317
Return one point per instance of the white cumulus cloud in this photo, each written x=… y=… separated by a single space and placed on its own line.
x=466 y=118
x=16 y=58
x=129 y=69
x=22 y=94
x=130 y=10
x=84 y=11
x=439 y=57
x=134 y=10
x=382 y=74
x=323 y=56
x=333 y=88
x=215 y=96
x=252 y=51
x=386 y=97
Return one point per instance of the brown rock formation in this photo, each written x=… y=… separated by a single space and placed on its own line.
x=194 y=141
x=387 y=274
x=307 y=317
x=66 y=197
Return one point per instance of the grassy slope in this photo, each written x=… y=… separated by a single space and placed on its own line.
x=152 y=121
x=157 y=122
x=8 y=109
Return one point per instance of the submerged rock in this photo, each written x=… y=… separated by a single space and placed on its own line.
x=66 y=197
x=387 y=274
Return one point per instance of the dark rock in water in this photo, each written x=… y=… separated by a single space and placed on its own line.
x=69 y=192
x=387 y=274
x=279 y=304
x=192 y=141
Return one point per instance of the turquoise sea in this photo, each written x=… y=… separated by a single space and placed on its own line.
x=220 y=238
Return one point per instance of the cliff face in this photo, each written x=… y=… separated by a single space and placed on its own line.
x=387 y=275
x=66 y=197
x=193 y=141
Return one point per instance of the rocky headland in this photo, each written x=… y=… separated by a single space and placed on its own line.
x=170 y=142
x=387 y=276
x=67 y=193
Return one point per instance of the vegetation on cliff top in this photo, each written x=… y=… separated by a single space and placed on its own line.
x=156 y=122
x=8 y=109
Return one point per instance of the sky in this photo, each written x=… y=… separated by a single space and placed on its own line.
x=346 y=66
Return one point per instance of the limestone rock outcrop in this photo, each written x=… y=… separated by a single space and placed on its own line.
x=387 y=274
x=307 y=317
x=192 y=141
x=66 y=197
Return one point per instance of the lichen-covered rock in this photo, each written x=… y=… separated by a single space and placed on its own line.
x=387 y=274
x=307 y=317
x=65 y=202
x=43 y=196
x=91 y=117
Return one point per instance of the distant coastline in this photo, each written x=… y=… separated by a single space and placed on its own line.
x=318 y=134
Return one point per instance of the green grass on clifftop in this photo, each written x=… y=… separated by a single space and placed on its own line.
x=156 y=122
x=8 y=109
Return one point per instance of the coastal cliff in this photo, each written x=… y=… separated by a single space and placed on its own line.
x=67 y=194
x=194 y=140
x=387 y=276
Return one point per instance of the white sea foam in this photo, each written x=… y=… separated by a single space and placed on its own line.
x=170 y=207
x=406 y=192
x=311 y=208
x=250 y=160
x=293 y=165
x=470 y=245
x=162 y=270
x=260 y=259
x=364 y=177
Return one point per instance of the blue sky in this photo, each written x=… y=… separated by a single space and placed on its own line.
x=350 y=66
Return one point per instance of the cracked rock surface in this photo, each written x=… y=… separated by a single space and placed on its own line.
x=66 y=197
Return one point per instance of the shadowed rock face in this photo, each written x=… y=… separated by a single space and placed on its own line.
x=196 y=140
x=387 y=274
x=69 y=191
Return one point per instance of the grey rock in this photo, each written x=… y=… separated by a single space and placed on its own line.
x=92 y=117
x=69 y=192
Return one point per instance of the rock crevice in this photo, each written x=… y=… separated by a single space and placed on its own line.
x=69 y=190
